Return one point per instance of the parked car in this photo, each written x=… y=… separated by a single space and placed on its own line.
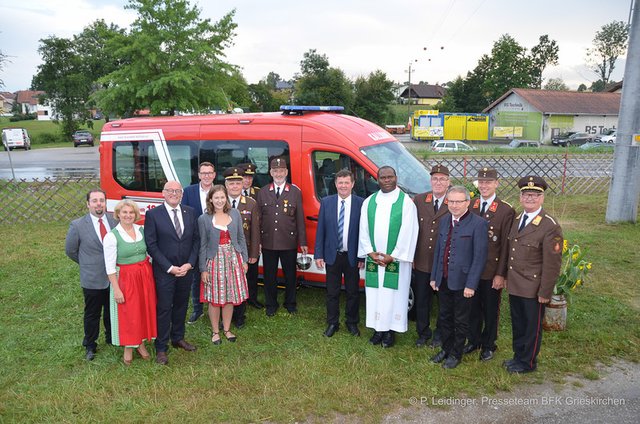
x=450 y=146
x=15 y=137
x=609 y=137
x=598 y=146
x=82 y=137
x=515 y=143
x=573 y=140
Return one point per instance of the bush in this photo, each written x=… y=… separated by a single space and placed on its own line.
x=22 y=117
x=47 y=138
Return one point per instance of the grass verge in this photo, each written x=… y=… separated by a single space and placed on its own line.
x=282 y=369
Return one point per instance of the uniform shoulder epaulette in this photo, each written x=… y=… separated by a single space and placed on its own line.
x=552 y=220
x=507 y=203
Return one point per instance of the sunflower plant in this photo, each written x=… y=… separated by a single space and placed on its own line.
x=574 y=271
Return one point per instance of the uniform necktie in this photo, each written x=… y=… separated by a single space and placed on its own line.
x=103 y=229
x=246 y=193
x=234 y=204
x=484 y=206
x=176 y=222
x=341 y=224
x=524 y=222
x=277 y=192
x=435 y=206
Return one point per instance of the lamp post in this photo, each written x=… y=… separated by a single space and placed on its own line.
x=409 y=100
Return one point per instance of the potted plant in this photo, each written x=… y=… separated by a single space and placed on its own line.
x=573 y=273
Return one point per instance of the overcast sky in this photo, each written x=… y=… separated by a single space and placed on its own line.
x=358 y=36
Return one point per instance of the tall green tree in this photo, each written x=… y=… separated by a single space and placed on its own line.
x=608 y=44
x=453 y=100
x=556 y=84
x=62 y=78
x=174 y=60
x=543 y=54
x=373 y=96
x=508 y=67
x=320 y=84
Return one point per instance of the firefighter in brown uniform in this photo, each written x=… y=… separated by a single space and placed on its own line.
x=535 y=258
x=282 y=230
x=248 y=209
x=431 y=206
x=485 y=305
x=248 y=189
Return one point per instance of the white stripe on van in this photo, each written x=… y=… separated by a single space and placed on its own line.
x=156 y=136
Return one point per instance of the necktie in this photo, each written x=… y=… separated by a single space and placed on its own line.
x=524 y=222
x=233 y=204
x=435 y=206
x=277 y=192
x=103 y=229
x=484 y=206
x=246 y=193
x=455 y=222
x=176 y=222
x=341 y=225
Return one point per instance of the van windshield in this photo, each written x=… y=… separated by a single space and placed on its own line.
x=413 y=177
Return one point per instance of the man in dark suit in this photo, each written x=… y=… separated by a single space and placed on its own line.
x=431 y=206
x=337 y=247
x=459 y=258
x=248 y=209
x=172 y=238
x=485 y=305
x=535 y=259
x=248 y=189
x=195 y=196
x=281 y=231
x=83 y=245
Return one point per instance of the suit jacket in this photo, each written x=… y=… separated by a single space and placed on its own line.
x=84 y=247
x=248 y=209
x=253 y=192
x=535 y=257
x=191 y=197
x=428 y=222
x=327 y=242
x=500 y=215
x=282 y=219
x=163 y=244
x=210 y=237
x=467 y=253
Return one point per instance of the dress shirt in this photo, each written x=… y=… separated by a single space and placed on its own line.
x=440 y=200
x=347 y=215
x=111 y=246
x=203 y=198
x=96 y=224
x=530 y=216
x=170 y=212
x=275 y=187
x=489 y=202
x=237 y=199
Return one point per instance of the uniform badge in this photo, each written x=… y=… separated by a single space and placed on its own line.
x=495 y=238
x=476 y=204
x=245 y=226
x=494 y=206
x=490 y=234
x=557 y=248
x=428 y=198
x=286 y=203
x=536 y=220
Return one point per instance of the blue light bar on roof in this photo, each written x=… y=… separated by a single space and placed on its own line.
x=299 y=109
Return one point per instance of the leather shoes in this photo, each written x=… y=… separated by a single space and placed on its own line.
x=469 y=348
x=435 y=342
x=421 y=342
x=239 y=324
x=183 y=344
x=271 y=312
x=508 y=362
x=331 y=330
x=353 y=329
x=486 y=355
x=518 y=368
x=451 y=362
x=161 y=358
x=292 y=311
x=376 y=339
x=439 y=357
x=255 y=304
x=388 y=339
x=194 y=317
x=91 y=353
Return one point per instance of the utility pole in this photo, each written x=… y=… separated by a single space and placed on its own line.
x=409 y=101
x=625 y=182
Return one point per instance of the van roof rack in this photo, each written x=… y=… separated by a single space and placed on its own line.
x=299 y=110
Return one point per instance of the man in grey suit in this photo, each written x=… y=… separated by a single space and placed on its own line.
x=84 y=246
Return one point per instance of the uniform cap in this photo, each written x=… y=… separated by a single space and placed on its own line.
x=440 y=169
x=532 y=182
x=278 y=162
x=234 y=173
x=248 y=168
x=487 y=174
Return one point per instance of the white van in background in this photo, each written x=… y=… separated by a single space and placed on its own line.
x=609 y=138
x=15 y=137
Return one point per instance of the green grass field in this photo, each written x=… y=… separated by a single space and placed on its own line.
x=282 y=369
x=46 y=134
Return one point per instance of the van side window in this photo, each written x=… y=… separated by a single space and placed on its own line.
x=325 y=166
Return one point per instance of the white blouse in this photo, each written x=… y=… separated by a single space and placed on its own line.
x=221 y=227
x=111 y=246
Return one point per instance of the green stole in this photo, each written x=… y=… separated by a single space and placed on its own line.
x=392 y=270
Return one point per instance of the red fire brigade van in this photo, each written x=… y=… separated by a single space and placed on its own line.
x=138 y=155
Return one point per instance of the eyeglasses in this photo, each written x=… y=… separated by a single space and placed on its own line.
x=440 y=180
x=530 y=195
x=208 y=174
x=456 y=202
x=170 y=191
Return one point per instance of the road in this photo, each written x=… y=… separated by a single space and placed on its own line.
x=54 y=162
